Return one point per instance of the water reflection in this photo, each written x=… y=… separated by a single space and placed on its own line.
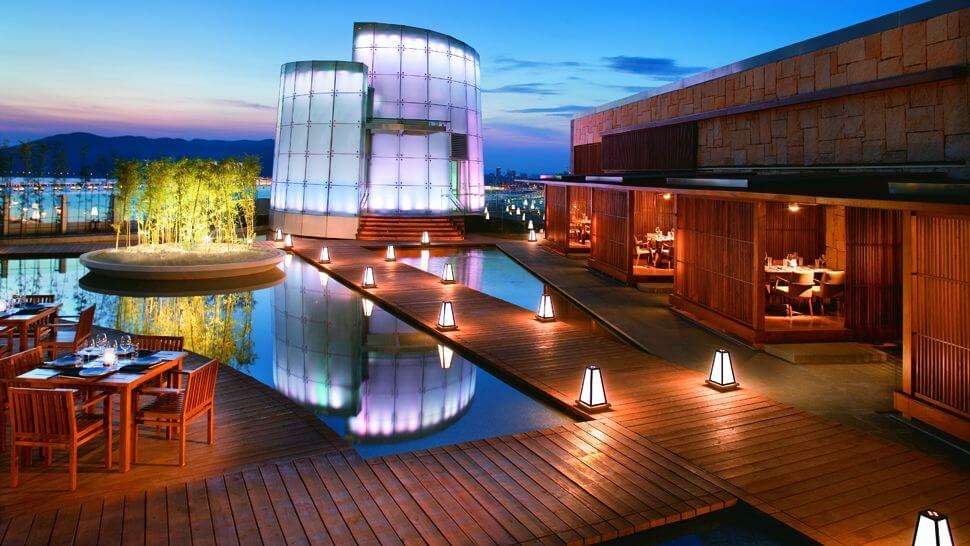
x=382 y=376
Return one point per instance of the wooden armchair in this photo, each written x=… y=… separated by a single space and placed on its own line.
x=830 y=288
x=797 y=290
x=176 y=408
x=10 y=367
x=71 y=336
x=159 y=343
x=47 y=418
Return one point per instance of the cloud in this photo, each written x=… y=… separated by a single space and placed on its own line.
x=566 y=110
x=524 y=89
x=525 y=135
x=234 y=103
x=657 y=67
x=509 y=63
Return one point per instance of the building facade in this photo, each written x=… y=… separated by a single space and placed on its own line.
x=395 y=132
x=818 y=192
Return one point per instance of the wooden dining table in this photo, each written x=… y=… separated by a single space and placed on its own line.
x=23 y=322
x=122 y=384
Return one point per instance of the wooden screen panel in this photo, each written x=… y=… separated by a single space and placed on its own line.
x=611 y=250
x=941 y=303
x=586 y=159
x=657 y=148
x=557 y=217
x=714 y=252
x=580 y=203
x=873 y=289
x=801 y=231
x=650 y=211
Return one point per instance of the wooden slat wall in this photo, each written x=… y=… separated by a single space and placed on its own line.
x=873 y=291
x=714 y=253
x=658 y=148
x=651 y=210
x=801 y=231
x=557 y=217
x=586 y=159
x=611 y=250
x=941 y=304
x=580 y=202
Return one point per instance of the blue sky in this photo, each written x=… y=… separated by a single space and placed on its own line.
x=210 y=70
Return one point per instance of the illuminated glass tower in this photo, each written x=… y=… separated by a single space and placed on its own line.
x=395 y=132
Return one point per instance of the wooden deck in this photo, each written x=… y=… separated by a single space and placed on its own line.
x=832 y=483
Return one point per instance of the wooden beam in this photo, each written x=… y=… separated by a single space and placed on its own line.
x=907 y=332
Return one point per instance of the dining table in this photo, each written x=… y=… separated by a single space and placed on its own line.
x=115 y=382
x=23 y=318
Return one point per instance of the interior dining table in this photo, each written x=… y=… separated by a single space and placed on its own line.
x=120 y=383
x=23 y=319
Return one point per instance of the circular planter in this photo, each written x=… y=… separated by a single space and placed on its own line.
x=264 y=259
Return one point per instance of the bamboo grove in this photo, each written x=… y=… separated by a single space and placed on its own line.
x=185 y=201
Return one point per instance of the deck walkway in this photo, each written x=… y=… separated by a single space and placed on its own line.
x=827 y=480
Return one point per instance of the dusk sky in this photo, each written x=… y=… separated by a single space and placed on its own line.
x=211 y=70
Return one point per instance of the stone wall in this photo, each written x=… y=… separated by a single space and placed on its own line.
x=918 y=123
x=835 y=237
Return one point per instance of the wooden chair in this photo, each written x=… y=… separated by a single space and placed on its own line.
x=10 y=367
x=176 y=408
x=798 y=289
x=70 y=336
x=47 y=418
x=643 y=249
x=37 y=298
x=159 y=343
x=830 y=288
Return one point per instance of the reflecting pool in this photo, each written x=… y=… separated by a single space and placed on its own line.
x=378 y=382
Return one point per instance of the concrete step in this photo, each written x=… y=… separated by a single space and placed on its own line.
x=826 y=353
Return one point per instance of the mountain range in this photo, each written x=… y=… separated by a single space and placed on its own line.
x=94 y=152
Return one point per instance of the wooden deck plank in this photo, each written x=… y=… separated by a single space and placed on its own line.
x=220 y=509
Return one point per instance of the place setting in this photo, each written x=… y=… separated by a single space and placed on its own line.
x=99 y=358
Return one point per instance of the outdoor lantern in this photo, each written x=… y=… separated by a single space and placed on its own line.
x=446 y=318
x=325 y=255
x=369 y=281
x=545 y=312
x=722 y=373
x=794 y=207
x=523 y=217
x=932 y=529
x=448 y=274
x=288 y=241
x=279 y=234
x=667 y=196
x=532 y=236
x=368 y=307
x=592 y=393
x=531 y=226
x=389 y=255
x=94 y=212
x=425 y=238
x=109 y=357
x=486 y=215
x=445 y=356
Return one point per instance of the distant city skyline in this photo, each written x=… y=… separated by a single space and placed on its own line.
x=210 y=70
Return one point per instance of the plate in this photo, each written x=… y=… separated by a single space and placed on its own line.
x=91 y=351
x=95 y=372
x=146 y=360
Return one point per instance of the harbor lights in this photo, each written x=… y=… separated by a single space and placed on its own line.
x=932 y=529
x=369 y=281
x=445 y=356
x=531 y=226
x=288 y=242
x=532 y=236
x=722 y=372
x=446 y=318
x=325 y=255
x=368 y=307
x=545 y=313
x=592 y=393
x=425 y=238
x=389 y=256
x=448 y=274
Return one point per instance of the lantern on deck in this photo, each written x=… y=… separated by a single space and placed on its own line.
x=445 y=356
x=722 y=372
x=531 y=226
x=448 y=274
x=425 y=238
x=369 y=281
x=486 y=214
x=545 y=312
x=278 y=236
x=532 y=236
x=446 y=318
x=592 y=393
x=932 y=529
x=325 y=255
x=389 y=256
x=368 y=307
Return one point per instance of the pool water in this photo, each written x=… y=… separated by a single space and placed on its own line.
x=384 y=386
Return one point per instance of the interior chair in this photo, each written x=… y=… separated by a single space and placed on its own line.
x=174 y=408
x=10 y=367
x=70 y=336
x=830 y=289
x=643 y=249
x=798 y=289
x=160 y=343
x=48 y=419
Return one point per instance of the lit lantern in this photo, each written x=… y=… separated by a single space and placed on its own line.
x=525 y=202
x=523 y=217
x=592 y=393
x=486 y=215
x=532 y=236
x=368 y=307
x=531 y=226
x=448 y=274
x=794 y=207
x=932 y=529
x=667 y=196
x=389 y=256
x=94 y=212
x=425 y=238
x=722 y=373
x=288 y=241
x=325 y=255
x=445 y=356
x=109 y=357
x=446 y=317
x=279 y=235
x=369 y=281
x=545 y=312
